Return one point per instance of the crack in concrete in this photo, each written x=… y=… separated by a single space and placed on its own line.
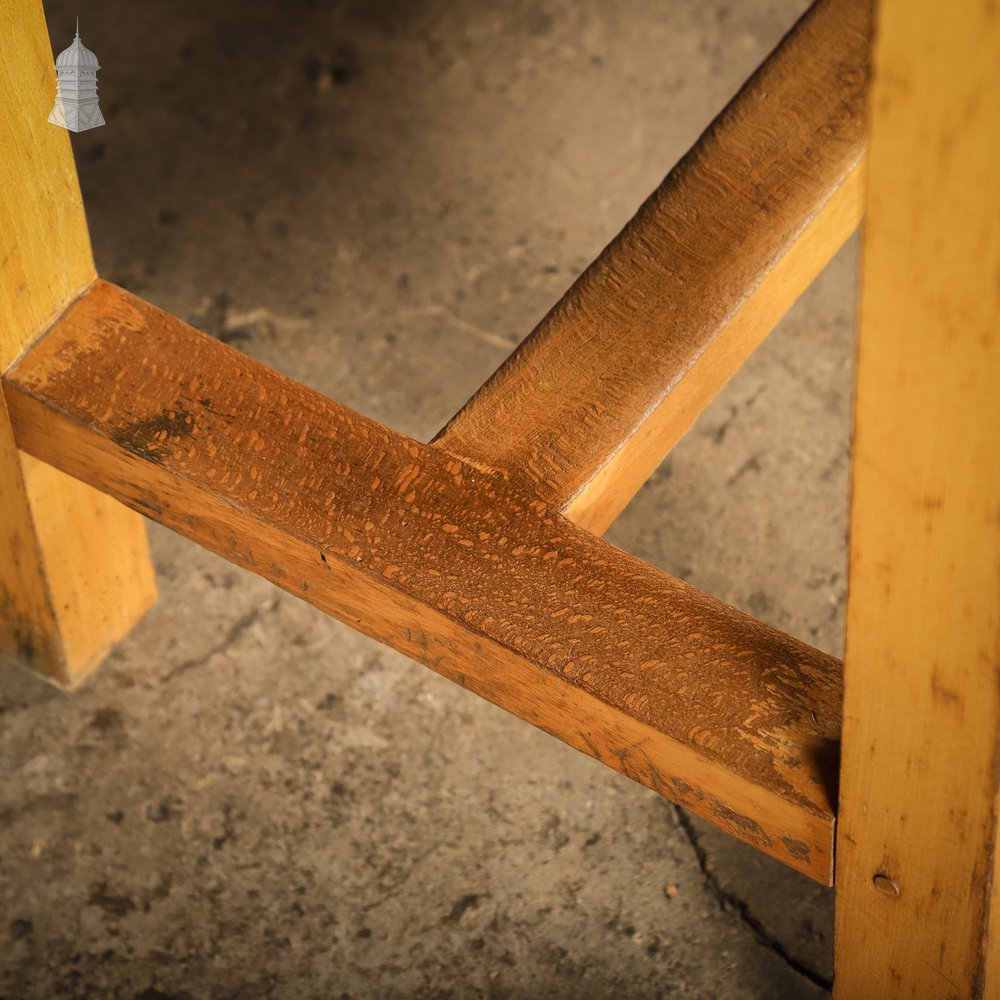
x=729 y=902
x=236 y=630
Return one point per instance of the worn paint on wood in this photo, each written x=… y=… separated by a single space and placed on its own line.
x=917 y=846
x=447 y=563
x=590 y=403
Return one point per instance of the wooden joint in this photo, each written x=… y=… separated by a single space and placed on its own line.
x=450 y=565
x=586 y=408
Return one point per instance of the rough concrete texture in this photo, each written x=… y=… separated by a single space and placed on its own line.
x=251 y=800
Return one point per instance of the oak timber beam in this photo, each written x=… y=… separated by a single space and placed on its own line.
x=588 y=405
x=449 y=564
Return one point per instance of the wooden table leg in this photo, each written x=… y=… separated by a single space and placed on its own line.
x=916 y=849
x=75 y=573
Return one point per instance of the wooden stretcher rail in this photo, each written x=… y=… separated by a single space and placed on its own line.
x=447 y=563
x=615 y=374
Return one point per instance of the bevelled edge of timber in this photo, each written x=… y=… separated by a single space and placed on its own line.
x=588 y=405
x=452 y=566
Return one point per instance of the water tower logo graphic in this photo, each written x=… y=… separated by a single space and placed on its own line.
x=76 y=106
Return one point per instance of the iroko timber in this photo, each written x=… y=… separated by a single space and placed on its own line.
x=584 y=410
x=449 y=564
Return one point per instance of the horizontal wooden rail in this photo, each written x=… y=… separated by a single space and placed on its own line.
x=448 y=564
x=590 y=403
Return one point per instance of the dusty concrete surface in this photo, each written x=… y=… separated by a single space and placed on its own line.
x=250 y=800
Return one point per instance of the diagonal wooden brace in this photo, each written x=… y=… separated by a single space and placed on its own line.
x=586 y=408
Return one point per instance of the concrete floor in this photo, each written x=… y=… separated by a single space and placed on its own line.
x=251 y=800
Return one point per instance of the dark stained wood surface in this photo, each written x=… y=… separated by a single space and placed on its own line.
x=449 y=564
x=590 y=403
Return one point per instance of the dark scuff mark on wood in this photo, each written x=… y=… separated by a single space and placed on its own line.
x=150 y=437
x=796 y=848
x=750 y=829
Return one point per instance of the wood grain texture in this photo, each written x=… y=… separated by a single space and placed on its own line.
x=75 y=573
x=45 y=258
x=447 y=563
x=590 y=403
x=921 y=764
